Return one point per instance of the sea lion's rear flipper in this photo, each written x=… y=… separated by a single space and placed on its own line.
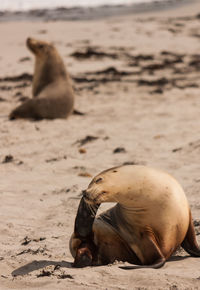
x=25 y=110
x=190 y=243
x=85 y=253
x=152 y=253
x=76 y=112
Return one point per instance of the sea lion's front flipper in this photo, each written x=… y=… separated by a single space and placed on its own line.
x=190 y=243
x=85 y=253
x=152 y=254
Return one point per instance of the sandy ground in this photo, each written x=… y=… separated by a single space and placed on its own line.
x=137 y=79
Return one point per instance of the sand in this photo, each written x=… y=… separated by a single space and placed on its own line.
x=136 y=79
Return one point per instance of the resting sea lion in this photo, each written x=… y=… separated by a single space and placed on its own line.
x=53 y=95
x=150 y=220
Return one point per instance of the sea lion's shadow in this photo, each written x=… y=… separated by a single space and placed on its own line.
x=177 y=258
x=36 y=265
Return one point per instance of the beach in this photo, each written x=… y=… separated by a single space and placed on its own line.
x=137 y=80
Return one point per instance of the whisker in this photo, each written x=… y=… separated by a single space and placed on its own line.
x=91 y=208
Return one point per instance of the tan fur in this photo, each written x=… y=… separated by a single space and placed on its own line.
x=151 y=209
x=53 y=96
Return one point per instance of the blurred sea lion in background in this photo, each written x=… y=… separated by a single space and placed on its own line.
x=53 y=95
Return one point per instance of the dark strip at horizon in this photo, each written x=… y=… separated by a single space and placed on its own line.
x=89 y=13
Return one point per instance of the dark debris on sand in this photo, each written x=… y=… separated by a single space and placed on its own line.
x=90 y=52
x=19 y=78
x=149 y=70
x=65 y=276
x=44 y=273
x=119 y=150
x=86 y=140
x=40 y=250
x=144 y=70
x=28 y=240
x=55 y=271
x=8 y=159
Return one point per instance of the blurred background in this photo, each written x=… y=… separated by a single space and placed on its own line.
x=35 y=4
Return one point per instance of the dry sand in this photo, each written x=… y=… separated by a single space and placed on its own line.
x=137 y=78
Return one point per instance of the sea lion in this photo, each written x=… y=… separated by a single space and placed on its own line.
x=151 y=219
x=53 y=95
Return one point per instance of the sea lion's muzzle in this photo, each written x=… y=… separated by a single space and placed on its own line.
x=87 y=197
x=31 y=44
x=93 y=197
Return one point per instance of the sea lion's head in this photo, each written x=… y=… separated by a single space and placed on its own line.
x=40 y=48
x=105 y=187
x=49 y=67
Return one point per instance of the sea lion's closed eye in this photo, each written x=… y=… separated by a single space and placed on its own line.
x=99 y=180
